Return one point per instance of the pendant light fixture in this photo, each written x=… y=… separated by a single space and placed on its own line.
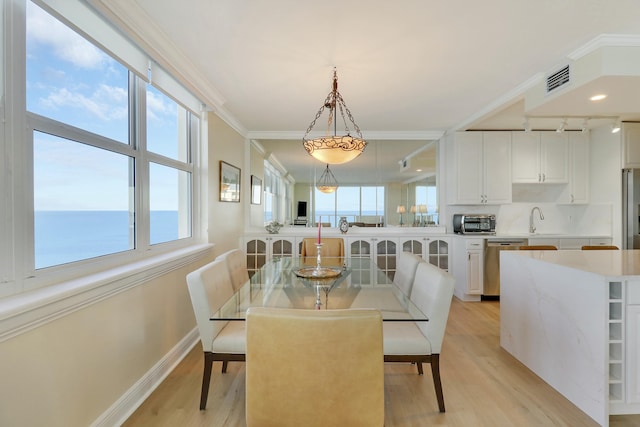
x=335 y=149
x=327 y=182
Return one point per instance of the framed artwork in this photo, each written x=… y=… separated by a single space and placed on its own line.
x=256 y=190
x=229 y=183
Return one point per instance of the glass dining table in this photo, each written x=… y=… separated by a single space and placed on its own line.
x=337 y=283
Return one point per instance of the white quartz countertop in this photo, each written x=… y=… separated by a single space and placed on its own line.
x=610 y=263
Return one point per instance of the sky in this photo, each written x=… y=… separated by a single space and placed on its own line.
x=72 y=81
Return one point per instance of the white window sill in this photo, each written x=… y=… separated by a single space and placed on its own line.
x=26 y=311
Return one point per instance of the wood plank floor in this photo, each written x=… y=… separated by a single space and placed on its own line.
x=483 y=386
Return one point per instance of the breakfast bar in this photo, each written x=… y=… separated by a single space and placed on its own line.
x=573 y=318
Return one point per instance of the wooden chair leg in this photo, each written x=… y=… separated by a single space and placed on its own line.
x=419 y=366
x=206 y=379
x=435 y=371
x=224 y=366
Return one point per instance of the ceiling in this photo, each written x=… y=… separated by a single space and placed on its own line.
x=408 y=70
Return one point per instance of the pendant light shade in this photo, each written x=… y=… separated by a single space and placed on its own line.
x=327 y=182
x=335 y=149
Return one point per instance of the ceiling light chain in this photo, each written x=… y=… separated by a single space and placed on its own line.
x=335 y=149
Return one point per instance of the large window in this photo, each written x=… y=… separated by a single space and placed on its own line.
x=357 y=204
x=108 y=155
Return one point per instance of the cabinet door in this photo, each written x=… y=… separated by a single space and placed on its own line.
x=256 y=250
x=469 y=171
x=438 y=253
x=631 y=145
x=386 y=256
x=632 y=341
x=577 y=192
x=497 y=167
x=474 y=272
x=555 y=157
x=525 y=166
x=282 y=247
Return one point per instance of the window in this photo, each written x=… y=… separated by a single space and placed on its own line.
x=108 y=156
x=358 y=204
x=277 y=195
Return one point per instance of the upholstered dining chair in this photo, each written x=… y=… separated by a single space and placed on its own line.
x=599 y=247
x=237 y=264
x=421 y=342
x=314 y=368
x=538 y=248
x=406 y=265
x=331 y=247
x=210 y=287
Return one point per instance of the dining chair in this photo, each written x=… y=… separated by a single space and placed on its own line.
x=406 y=265
x=314 y=368
x=331 y=247
x=538 y=248
x=237 y=264
x=421 y=342
x=210 y=287
x=599 y=247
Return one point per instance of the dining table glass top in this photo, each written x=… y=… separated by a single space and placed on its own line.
x=339 y=283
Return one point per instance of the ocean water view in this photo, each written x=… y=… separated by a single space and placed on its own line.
x=66 y=236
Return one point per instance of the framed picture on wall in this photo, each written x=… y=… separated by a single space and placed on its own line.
x=229 y=183
x=256 y=190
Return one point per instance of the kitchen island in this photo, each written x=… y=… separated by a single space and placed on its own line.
x=573 y=318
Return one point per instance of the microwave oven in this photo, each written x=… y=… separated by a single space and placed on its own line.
x=474 y=223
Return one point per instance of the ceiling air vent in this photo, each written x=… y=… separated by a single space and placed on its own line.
x=558 y=79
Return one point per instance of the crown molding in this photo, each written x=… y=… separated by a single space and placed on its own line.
x=605 y=40
x=428 y=135
x=152 y=40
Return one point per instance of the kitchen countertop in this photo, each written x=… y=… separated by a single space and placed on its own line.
x=609 y=263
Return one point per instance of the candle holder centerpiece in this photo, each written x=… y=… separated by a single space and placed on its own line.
x=318 y=272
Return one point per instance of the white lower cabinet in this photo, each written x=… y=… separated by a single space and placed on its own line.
x=260 y=249
x=468 y=267
x=435 y=250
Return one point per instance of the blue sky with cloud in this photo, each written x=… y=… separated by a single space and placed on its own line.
x=72 y=81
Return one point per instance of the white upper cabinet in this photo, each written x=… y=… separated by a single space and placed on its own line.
x=540 y=157
x=577 y=192
x=482 y=168
x=631 y=145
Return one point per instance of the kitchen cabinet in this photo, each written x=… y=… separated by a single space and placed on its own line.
x=435 y=250
x=577 y=192
x=540 y=157
x=630 y=145
x=482 y=173
x=261 y=249
x=468 y=267
x=382 y=250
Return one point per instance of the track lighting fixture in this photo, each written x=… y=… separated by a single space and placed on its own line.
x=562 y=126
x=585 y=125
x=615 y=127
x=526 y=125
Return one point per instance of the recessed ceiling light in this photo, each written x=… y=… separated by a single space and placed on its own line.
x=598 y=97
x=418 y=170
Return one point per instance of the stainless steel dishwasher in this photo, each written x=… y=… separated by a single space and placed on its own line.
x=491 y=283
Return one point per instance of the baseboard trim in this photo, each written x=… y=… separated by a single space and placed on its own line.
x=126 y=405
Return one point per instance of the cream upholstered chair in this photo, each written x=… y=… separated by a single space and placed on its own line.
x=421 y=342
x=314 y=368
x=237 y=265
x=331 y=247
x=406 y=270
x=209 y=288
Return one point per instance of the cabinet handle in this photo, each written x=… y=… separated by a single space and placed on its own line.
x=572 y=198
x=539 y=177
x=544 y=177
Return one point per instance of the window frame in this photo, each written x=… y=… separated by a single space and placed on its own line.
x=17 y=257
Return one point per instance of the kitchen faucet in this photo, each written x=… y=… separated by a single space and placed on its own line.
x=532 y=228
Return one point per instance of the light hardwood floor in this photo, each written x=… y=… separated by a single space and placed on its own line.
x=483 y=386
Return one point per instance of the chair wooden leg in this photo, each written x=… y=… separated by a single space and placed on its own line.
x=419 y=366
x=224 y=366
x=206 y=379
x=435 y=371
